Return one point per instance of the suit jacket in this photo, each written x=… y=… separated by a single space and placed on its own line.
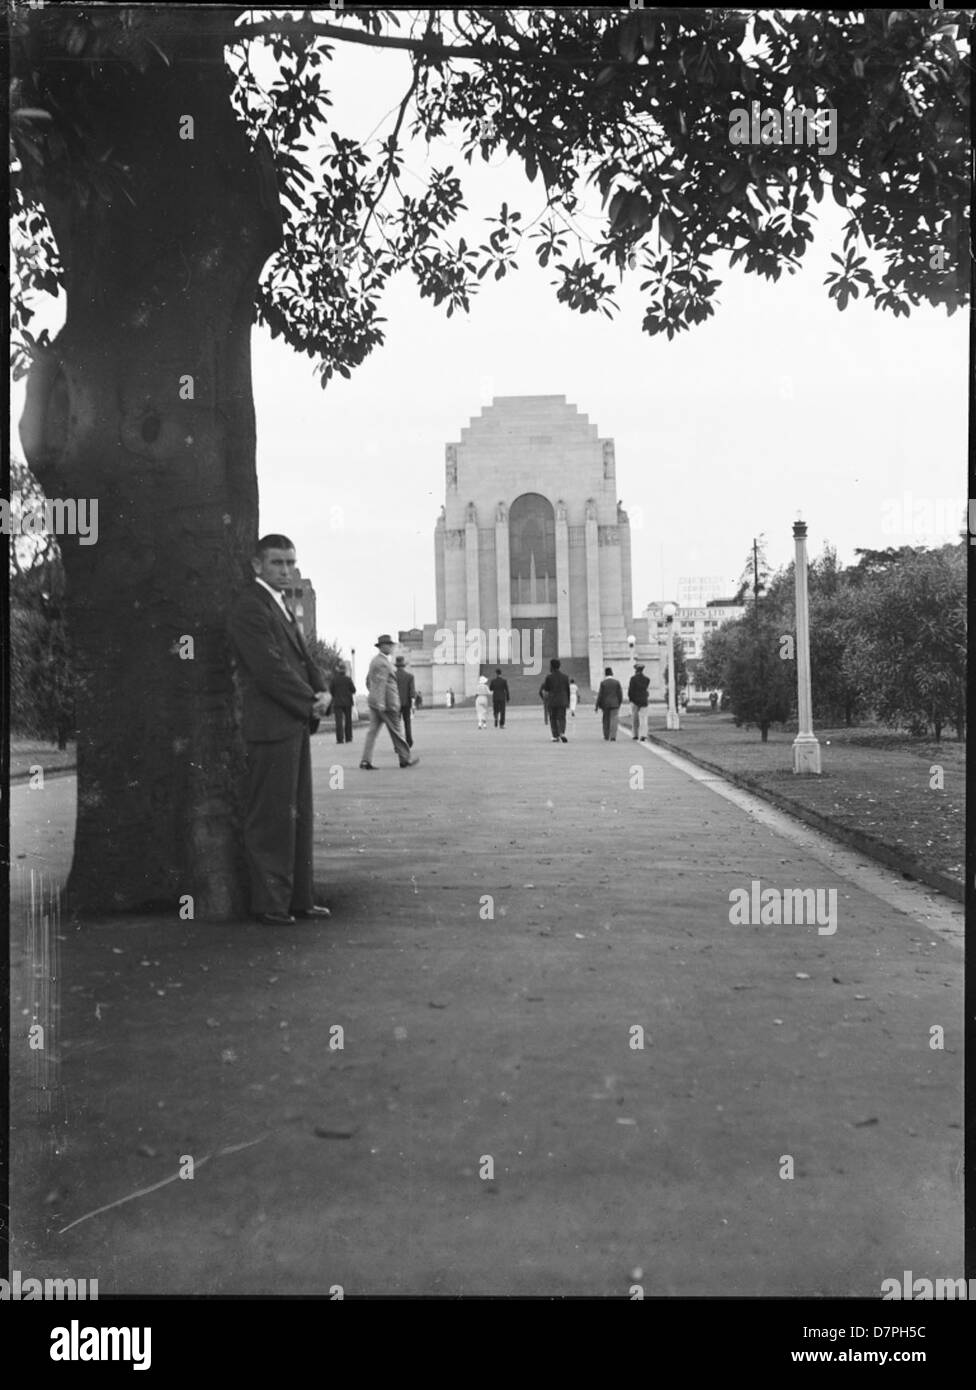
x=405 y=687
x=610 y=695
x=279 y=678
x=499 y=690
x=637 y=690
x=556 y=686
x=342 y=690
x=381 y=683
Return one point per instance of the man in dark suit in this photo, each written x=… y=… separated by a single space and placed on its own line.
x=407 y=689
x=555 y=691
x=284 y=694
x=609 y=698
x=342 y=690
x=637 y=695
x=499 y=697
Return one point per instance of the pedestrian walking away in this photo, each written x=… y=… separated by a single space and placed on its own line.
x=573 y=698
x=384 y=706
x=609 y=698
x=407 y=691
x=555 y=691
x=637 y=695
x=342 y=690
x=500 y=697
x=284 y=698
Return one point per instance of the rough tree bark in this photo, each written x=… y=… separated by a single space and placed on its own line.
x=145 y=405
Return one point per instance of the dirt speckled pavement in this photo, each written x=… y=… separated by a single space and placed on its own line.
x=487 y=1125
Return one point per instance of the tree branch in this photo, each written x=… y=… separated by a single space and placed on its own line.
x=426 y=47
x=392 y=155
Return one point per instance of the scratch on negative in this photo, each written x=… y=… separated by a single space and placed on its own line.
x=144 y=1191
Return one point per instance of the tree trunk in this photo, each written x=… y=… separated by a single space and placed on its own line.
x=144 y=406
x=764 y=730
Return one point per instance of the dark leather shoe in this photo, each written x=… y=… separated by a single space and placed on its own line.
x=367 y=767
x=313 y=912
x=276 y=919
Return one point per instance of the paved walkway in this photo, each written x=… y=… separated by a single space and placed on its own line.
x=487 y=1125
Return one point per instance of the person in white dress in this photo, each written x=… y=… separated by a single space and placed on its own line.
x=573 y=698
x=481 y=702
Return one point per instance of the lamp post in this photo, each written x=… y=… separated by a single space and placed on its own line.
x=806 y=748
x=673 y=721
x=632 y=644
x=352 y=664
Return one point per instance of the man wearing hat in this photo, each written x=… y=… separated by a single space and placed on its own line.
x=407 y=689
x=384 y=705
x=637 y=695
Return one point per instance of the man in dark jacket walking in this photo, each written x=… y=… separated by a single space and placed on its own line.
x=342 y=690
x=555 y=691
x=609 y=698
x=499 y=697
x=408 y=690
x=637 y=695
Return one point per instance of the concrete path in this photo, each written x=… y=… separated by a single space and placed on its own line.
x=506 y=915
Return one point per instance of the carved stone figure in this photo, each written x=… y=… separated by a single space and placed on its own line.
x=608 y=459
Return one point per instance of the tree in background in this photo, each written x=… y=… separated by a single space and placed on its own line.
x=168 y=176
x=909 y=654
x=761 y=685
x=326 y=655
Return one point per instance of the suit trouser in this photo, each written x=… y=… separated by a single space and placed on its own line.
x=610 y=717
x=498 y=710
x=278 y=824
x=557 y=720
x=343 y=718
x=406 y=715
x=379 y=719
x=638 y=721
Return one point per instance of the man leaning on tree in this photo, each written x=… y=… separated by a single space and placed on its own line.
x=284 y=696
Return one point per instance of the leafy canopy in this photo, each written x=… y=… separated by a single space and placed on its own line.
x=637 y=106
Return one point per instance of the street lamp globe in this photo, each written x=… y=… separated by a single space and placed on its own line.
x=669 y=611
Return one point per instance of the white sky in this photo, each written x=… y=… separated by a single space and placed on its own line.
x=776 y=404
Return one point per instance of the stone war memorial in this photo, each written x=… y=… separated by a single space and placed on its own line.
x=532 y=553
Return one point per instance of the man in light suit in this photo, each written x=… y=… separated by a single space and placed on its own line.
x=284 y=693
x=384 y=705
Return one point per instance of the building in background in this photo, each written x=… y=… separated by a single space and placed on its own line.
x=300 y=595
x=532 y=545
x=694 y=621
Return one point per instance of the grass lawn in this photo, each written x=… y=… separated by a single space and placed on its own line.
x=27 y=753
x=875 y=781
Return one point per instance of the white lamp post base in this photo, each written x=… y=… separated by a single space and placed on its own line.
x=806 y=754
